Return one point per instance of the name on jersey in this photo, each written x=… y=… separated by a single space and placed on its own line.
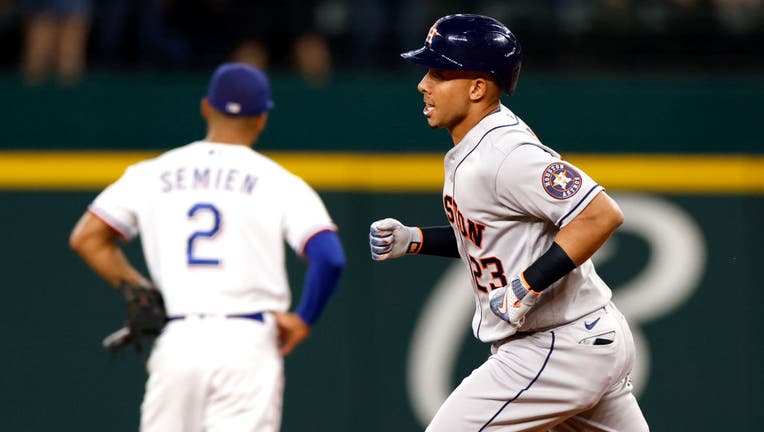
x=196 y=178
x=468 y=228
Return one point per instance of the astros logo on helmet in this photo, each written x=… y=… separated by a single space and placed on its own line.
x=431 y=34
x=471 y=43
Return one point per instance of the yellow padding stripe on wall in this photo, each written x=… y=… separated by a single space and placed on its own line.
x=400 y=172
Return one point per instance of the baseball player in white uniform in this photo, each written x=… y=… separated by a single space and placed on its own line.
x=525 y=223
x=213 y=217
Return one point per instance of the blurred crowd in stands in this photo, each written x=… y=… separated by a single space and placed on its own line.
x=60 y=39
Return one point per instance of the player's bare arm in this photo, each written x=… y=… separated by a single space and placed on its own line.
x=575 y=243
x=585 y=234
x=96 y=243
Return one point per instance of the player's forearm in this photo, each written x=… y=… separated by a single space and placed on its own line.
x=95 y=243
x=111 y=264
x=585 y=234
x=326 y=262
x=575 y=243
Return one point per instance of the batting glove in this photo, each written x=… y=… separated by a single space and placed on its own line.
x=388 y=238
x=512 y=304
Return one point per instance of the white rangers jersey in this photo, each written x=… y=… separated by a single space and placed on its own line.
x=506 y=196
x=213 y=219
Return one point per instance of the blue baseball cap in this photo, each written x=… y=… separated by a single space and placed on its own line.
x=239 y=89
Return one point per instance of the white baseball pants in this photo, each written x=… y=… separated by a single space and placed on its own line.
x=214 y=374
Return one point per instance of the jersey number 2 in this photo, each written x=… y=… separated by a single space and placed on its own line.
x=201 y=234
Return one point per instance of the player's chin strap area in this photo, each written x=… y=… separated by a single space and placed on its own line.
x=257 y=316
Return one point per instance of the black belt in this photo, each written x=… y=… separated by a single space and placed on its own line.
x=257 y=316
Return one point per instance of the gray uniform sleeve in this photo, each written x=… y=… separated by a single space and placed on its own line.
x=536 y=183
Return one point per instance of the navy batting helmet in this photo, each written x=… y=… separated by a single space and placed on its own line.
x=471 y=43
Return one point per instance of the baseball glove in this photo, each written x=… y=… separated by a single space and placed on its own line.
x=145 y=315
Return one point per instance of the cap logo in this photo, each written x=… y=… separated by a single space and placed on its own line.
x=431 y=34
x=561 y=180
x=233 y=108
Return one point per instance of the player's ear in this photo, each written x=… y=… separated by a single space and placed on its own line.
x=256 y=125
x=485 y=87
x=262 y=120
x=478 y=88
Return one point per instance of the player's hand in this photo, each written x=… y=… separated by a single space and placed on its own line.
x=388 y=238
x=292 y=331
x=512 y=302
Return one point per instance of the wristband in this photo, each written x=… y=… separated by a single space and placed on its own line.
x=548 y=268
x=440 y=241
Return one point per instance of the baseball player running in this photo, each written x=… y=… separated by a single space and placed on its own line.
x=525 y=224
x=213 y=217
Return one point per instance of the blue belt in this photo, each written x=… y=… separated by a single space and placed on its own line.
x=257 y=316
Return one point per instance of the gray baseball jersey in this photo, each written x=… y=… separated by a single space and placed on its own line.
x=506 y=196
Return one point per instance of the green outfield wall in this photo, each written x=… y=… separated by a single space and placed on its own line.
x=596 y=113
x=701 y=350
x=683 y=267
